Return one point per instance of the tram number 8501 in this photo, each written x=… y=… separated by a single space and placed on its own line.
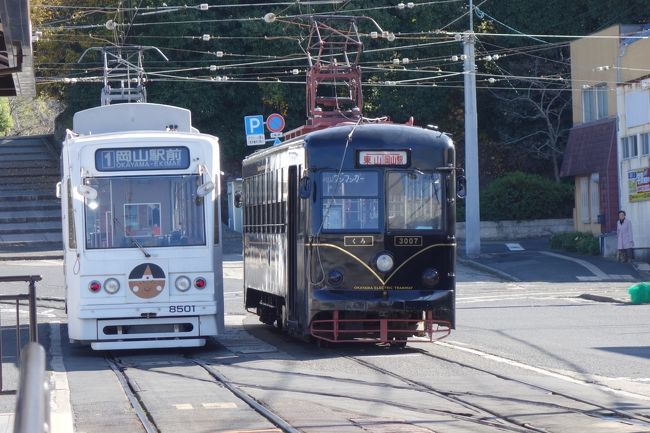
x=177 y=309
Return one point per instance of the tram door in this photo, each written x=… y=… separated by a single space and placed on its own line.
x=292 y=247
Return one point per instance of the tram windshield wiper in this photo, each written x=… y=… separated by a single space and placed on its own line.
x=134 y=241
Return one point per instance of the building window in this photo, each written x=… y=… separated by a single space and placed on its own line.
x=645 y=143
x=630 y=147
x=594 y=103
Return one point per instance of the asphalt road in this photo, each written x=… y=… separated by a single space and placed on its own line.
x=525 y=354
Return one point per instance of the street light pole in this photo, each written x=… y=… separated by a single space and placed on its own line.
x=472 y=213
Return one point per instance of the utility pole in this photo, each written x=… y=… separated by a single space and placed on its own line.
x=472 y=213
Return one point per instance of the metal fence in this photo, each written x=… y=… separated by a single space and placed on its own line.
x=30 y=296
x=33 y=396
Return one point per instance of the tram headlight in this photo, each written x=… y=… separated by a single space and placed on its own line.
x=384 y=262
x=111 y=285
x=95 y=286
x=334 y=277
x=200 y=283
x=430 y=277
x=183 y=283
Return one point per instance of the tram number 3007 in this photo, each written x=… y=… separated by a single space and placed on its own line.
x=176 y=309
x=410 y=241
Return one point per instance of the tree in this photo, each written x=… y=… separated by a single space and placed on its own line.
x=33 y=116
x=5 y=117
x=540 y=115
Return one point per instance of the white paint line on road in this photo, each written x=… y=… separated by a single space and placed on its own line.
x=589 y=266
x=219 y=405
x=514 y=247
x=453 y=345
x=184 y=406
x=61 y=409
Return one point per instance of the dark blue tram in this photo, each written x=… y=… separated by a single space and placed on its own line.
x=349 y=234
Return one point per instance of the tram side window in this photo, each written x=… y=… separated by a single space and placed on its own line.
x=414 y=201
x=152 y=211
x=350 y=200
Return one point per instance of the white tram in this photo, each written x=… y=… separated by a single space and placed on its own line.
x=141 y=228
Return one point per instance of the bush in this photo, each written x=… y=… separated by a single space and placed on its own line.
x=521 y=196
x=576 y=242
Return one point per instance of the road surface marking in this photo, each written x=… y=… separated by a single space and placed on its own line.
x=515 y=247
x=599 y=275
x=183 y=406
x=61 y=409
x=564 y=377
x=219 y=405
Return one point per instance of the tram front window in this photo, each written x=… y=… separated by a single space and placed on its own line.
x=350 y=200
x=151 y=211
x=414 y=200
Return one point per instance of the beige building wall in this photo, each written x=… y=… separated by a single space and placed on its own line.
x=588 y=55
x=635 y=62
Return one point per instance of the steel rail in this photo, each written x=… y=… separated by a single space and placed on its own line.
x=147 y=422
x=254 y=404
x=620 y=413
x=515 y=426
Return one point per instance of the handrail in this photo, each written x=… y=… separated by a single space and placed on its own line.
x=33 y=400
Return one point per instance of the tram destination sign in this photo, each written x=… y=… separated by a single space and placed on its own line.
x=142 y=158
x=392 y=158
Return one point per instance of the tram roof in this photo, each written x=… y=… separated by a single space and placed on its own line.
x=325 y=146
x=382 y=135
x=132 y=117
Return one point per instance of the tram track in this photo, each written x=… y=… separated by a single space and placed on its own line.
x=506 y=422
x=149 y=423
x=502 y=422
x=617 y=412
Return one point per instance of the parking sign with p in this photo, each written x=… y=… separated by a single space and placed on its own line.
x=254 y=126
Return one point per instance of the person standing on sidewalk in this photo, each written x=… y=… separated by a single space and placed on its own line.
x=624 y=235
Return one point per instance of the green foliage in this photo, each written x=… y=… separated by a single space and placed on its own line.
x=258 y=55
x=576 y=242
x=521 y=196
x=6 y=122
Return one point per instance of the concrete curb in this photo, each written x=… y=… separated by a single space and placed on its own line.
x=490 y=270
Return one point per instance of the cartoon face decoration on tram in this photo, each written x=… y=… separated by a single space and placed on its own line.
x=147 y=280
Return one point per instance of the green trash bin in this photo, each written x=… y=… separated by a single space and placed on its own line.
x=640 y=293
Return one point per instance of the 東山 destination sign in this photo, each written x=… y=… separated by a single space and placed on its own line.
x=142 y=158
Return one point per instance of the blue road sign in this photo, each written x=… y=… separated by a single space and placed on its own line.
x=275 y=122
x=254 y=126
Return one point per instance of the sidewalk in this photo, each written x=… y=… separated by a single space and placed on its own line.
x=531 y=260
